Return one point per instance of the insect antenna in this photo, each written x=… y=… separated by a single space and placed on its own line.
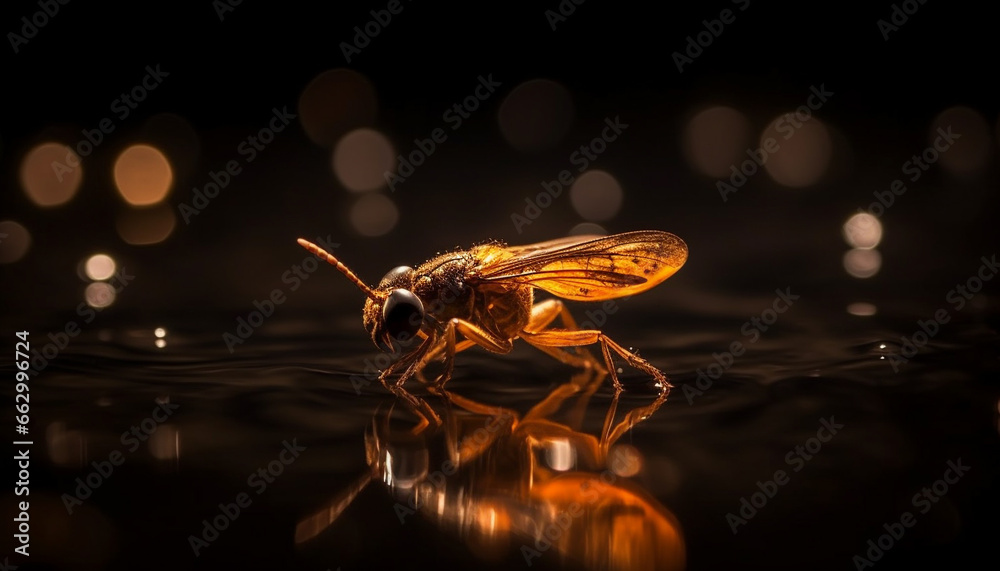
x=340 y=266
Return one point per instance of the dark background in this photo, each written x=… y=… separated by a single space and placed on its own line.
x=615 y=60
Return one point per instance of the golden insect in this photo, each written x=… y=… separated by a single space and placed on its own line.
x=486 y=295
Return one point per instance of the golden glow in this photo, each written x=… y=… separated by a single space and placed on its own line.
x=374 y=214
x=588 y=229
x=361 y=159
x=716 y=139
x=596 y=195
x=862 y=309
x=15 y=240
x=99 y=267
x=559 y=454
x=960 y=137
x=625 y=460
x=863 y=230
x=160 y=332
x=145 y=226
x=335 y=102
x=862 y=263
x=536 y=115
x=803 y=157
x=99 y=295
x=51 y=174
x=143 y=175
x=160 y=343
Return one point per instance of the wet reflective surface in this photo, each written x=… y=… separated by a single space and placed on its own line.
x=270 y=457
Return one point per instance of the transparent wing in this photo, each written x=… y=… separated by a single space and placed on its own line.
x=589 y=268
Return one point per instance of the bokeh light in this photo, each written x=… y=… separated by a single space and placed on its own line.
x=536 y=115
x=99 y=295
x=51 y=174
x=588 y=229
x=962 y=137
x=804 y=150
x=15 y=240
x=335 y=102
x=596 y=195
x=143 y=175
x=160 y=334
x=144 y=226
x=361 y=159
x=99 y=267
x=863 y=230
x=374 y=214
x=559 y=454
x=716 y=139
x=861 y=263
x=625 y=460
x=862 y=309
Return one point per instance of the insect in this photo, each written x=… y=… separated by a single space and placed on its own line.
x=485 y=296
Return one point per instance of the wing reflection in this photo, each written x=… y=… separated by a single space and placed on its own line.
x=532 y=484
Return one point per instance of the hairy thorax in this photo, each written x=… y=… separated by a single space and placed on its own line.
x=448 y=287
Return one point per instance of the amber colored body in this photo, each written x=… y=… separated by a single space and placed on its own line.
x=485 y=295
x=449 y=289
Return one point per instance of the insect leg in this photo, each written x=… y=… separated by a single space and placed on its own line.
x=564 y=338
x=436 y=353
x=610 y=434
x=473 y=333
x=418 y=405
x=544 y=313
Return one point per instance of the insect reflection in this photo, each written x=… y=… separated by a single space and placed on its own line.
x=530 y=484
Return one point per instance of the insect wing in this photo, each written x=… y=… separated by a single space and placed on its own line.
x=589 y=268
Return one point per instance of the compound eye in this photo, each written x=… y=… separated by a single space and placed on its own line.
x=396 y=276
x=402 y=313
